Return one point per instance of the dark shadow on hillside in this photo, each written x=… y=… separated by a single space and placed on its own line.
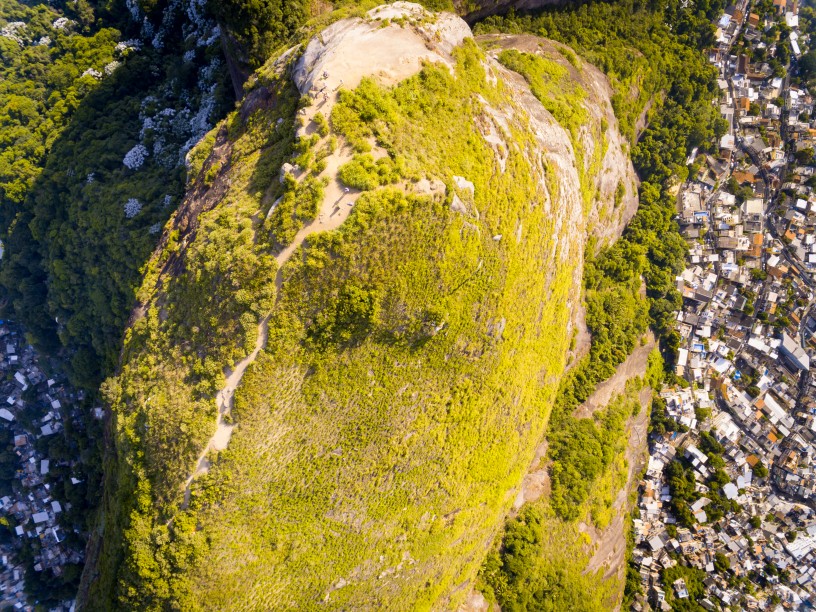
x=74 y=254
x=73 y=257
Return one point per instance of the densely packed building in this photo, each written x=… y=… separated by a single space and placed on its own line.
x=37 y=467
x=727 y=509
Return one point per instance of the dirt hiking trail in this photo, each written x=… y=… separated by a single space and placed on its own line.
x=339 y=58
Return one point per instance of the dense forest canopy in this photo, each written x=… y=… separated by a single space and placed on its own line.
x=51 y=62
x=97 y=121
x=49 y=66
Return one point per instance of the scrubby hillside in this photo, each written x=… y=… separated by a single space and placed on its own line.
x=349 y=340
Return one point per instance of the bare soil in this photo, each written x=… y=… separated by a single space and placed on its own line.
x=635 y=365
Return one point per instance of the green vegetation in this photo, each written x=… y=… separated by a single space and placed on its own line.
x=644 y=61
x=551 y=83
x=666 y=71
x=406 y=291
x=561 y=94
x=41 y=87
x=541 y=567
x=680 y=476
x=807 y=66
x=259 y=26
x=651 y=246
x=386 y=419
x=199 y=154
x=582 y=449
x=362 y=172
x=175 y=355
x=74 y=256
x=721 y=563
x=588 y=471
x=632 y=586
x=299 y=203
x=693 y=579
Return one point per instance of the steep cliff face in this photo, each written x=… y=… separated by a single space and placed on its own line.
x=578 y=96
x=349 y=340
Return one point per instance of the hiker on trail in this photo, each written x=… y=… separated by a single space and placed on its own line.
x=346 y=189
x=325 y=75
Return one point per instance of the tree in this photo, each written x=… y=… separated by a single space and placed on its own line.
x=709 y=444
x=807 y=65
x=781 y=321
x=258 y=26
x=804 y=157
x=721 y=562
x=702 y=413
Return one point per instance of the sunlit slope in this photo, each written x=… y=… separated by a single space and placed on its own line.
x=413 y=279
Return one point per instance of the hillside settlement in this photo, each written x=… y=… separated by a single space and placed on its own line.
x=42 y=484
x=726 y=512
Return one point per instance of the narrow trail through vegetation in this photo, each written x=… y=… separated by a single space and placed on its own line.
x=399 y=55
x=334 y=210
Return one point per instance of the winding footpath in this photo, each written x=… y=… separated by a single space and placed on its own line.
x=341 y=54
x=335 y=209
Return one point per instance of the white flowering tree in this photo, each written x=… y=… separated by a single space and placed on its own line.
x=132 y=208
x=136 y=157
x=63 y=23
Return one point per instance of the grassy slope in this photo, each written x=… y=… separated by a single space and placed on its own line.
x=366 y=443
x=203 y=294
x=393 y=451
x=646 y=63
x=543 y=557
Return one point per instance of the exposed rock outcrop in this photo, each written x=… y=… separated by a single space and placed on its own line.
x=611 y=209
x=350 y=49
